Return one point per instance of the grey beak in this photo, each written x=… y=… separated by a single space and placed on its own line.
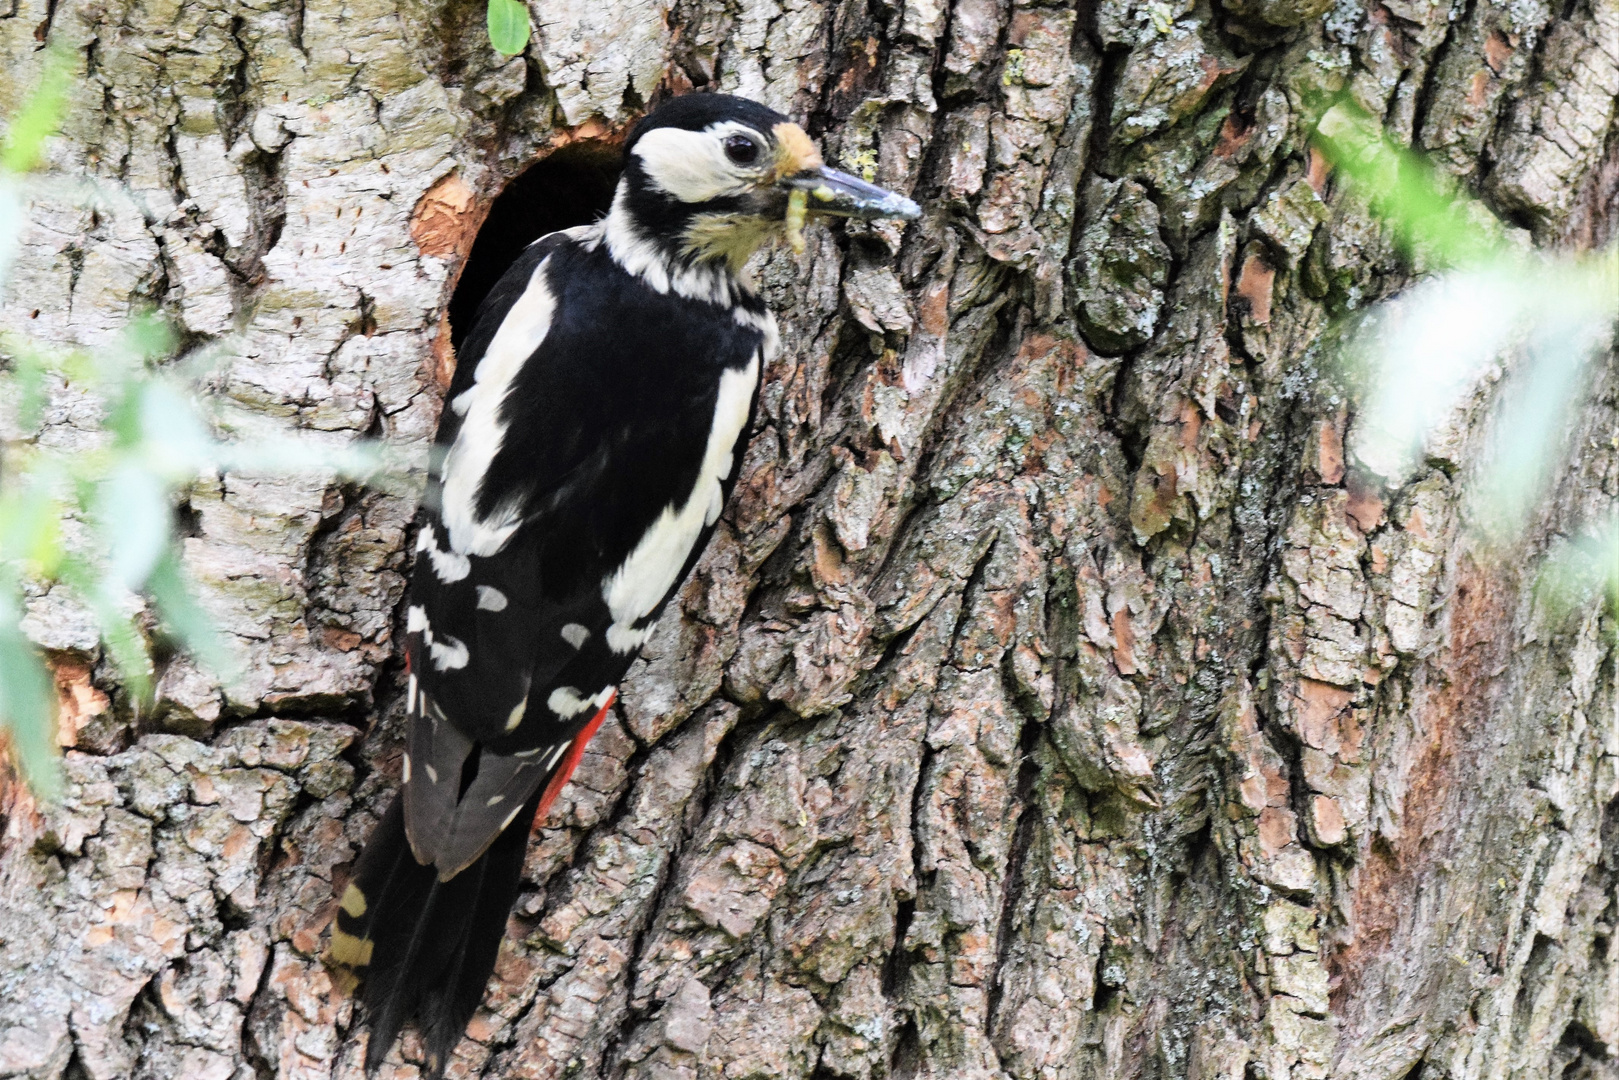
x=834 y=192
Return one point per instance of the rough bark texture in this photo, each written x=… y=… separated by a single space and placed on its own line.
x=1055 y=700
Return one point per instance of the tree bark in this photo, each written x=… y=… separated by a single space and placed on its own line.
x=1054 y=701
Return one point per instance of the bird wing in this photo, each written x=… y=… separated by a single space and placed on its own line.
x=581 y=420
x=480 y=630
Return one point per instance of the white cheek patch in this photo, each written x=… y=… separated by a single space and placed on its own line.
x=491 y=598
x=483 y=431
x=692 y=166
x=651 y=570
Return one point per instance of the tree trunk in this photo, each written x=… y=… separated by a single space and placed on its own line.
x=1054 y=700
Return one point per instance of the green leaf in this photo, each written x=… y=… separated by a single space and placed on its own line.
x=27 y=700
x=1406 y=191
x=508 y=26
x=185 y=618
x=125 y=643
x=1578 y=570
x=40 y=115
x=134 y=517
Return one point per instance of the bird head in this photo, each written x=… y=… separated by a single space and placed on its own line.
x=710 y=177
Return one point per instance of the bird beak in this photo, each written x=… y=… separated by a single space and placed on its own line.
x=832 y=192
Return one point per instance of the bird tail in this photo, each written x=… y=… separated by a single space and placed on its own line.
x=425 y=948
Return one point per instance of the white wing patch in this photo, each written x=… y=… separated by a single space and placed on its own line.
x=764 y=322
x=449 y=566
x=491 y=598
x=640 y=584
x=482 y=429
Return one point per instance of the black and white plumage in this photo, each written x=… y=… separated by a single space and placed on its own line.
x=590 y=438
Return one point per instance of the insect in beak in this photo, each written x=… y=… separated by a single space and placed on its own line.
x=828 y=191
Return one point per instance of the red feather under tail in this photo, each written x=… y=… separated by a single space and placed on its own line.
x=559 y=779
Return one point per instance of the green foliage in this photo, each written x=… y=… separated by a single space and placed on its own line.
x=1404 y=190
x=98 y=519
x=1537 y=318
x=1581 y=569
x=508 y=26
x=37 y=120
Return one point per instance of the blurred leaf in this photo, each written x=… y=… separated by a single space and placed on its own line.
x=508 y=26
x=1405 y=191
x=1425 y=352
x=1577 y=571
x=26 y=385
x=174 y=441
x=27 y=699
x=134 y=515
x=1536 y=405
x=40 y=115
x=185 y=618
x=1422 y=353
x=30 y=527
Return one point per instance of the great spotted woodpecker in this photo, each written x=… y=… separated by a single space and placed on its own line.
x=589 y=441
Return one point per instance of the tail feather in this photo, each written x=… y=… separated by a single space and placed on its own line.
x=424 y=948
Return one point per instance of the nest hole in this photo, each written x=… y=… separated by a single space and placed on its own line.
x=570 y=186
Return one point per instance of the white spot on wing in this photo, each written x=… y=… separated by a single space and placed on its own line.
x=415 y=619
x=651 y=570
x=576 y=634
x=483 y=430
x=516 y=716
x=509 y=818
x=624 y=639
x=449 y=654
x=491 y=598
x=764 y=322
x=447 y=565
x=567 y=702
x=404 y=773
x=432 y=773
x=495 y=800
x=556 y=756
x=410 y=693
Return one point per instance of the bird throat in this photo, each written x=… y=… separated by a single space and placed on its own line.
x=728 y=238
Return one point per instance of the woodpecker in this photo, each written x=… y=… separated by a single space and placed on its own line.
x=589 y=440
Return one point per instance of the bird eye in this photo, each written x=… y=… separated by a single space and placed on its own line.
x=741 y=149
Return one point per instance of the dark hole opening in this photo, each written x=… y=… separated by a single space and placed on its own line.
x=572 y=186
